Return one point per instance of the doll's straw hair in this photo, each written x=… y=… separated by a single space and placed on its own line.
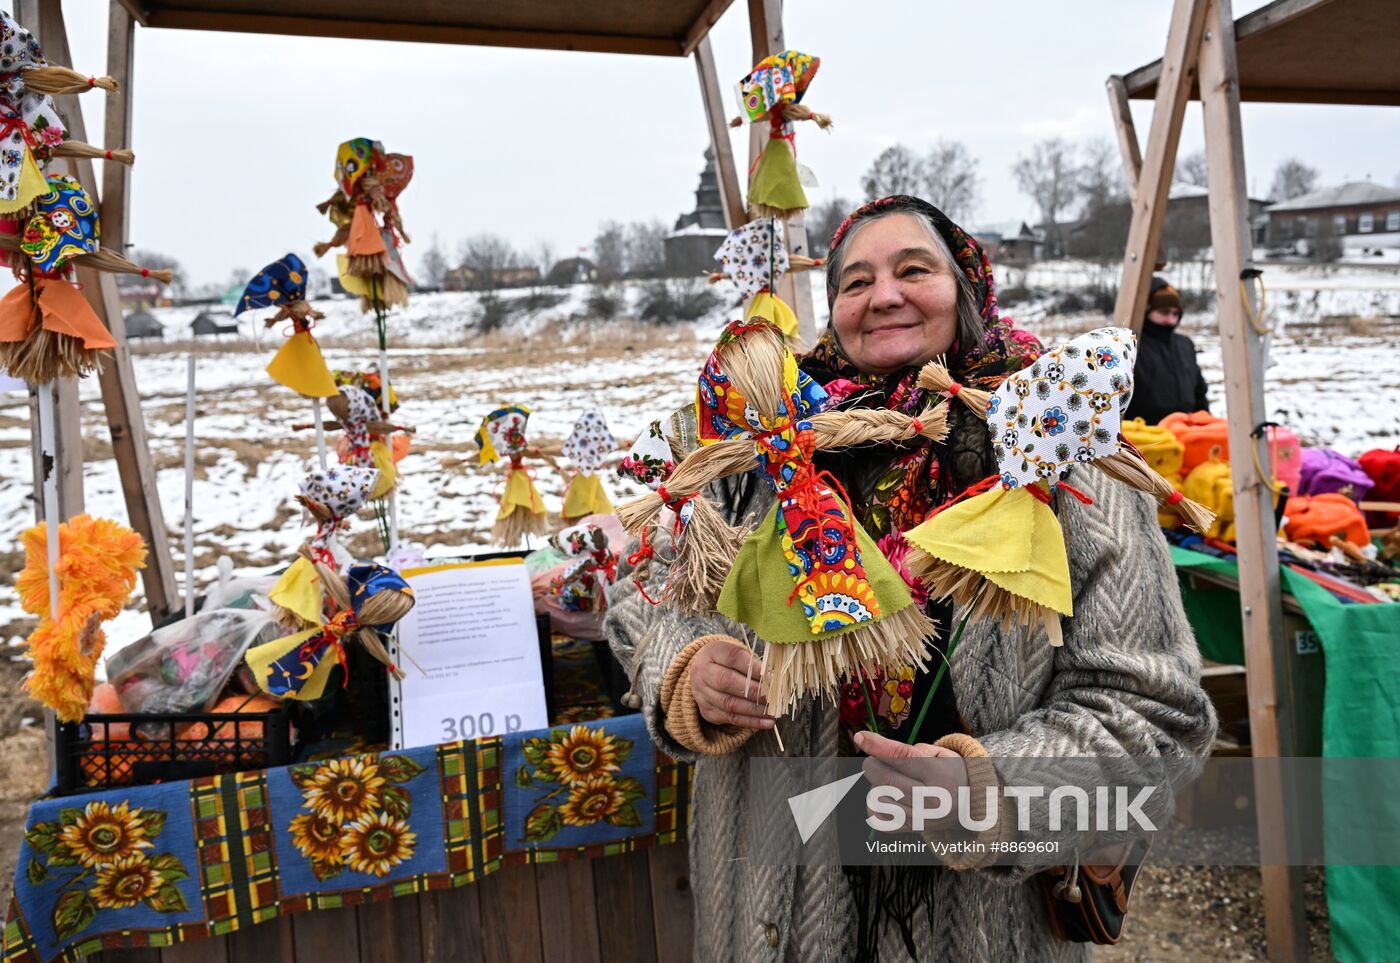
x=1127 y=465
x=934 y=376
x=831 y=429
x=102 y=259
x=795 y=112
x=114 y=263
x=381 y=608
x=76 y=148
x=342 y=234
x=53 y=79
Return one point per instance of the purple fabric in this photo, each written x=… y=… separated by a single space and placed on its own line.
x=1324 y=470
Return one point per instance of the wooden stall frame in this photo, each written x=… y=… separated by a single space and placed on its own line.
x=390 y=932
x=120 y=396
x=1203 y=59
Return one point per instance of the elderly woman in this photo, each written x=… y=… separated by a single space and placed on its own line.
x=907 y=285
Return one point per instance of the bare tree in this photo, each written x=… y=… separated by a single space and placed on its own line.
x=644 y=249
x=950 y=179
x=485 y=256
x=898 y=170
x=542 y=256
x=1293 y=178
x=1100 y=176
x=1048 y=176
x=822 y=222
x=610 y=251
x=158 y=262
x=1102 y=231
x=434 y=265
x=1191 y=169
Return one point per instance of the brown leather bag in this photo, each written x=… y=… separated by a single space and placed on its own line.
x=1089 y=904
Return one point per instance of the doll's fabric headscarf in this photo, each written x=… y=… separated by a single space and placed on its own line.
x=895 y=486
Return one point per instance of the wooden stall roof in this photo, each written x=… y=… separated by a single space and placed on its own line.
x=1309 y=52
x=657 y=27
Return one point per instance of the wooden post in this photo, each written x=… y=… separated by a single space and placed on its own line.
x=725 y=171
x=1127 y=133
x=1269 y=683
x=1150 y=203
x=116 y=132
x=766 y=36
x=117 y=380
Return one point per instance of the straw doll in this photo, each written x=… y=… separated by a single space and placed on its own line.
x=773 y=91
x=522 y=512
x=808 y=581
x=753 y=257
x=588 y=446
x=298 y=364
x=48 y=329
x=998 y=548
x=361 y=606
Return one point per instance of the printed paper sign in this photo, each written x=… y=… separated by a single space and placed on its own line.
x=470 y=654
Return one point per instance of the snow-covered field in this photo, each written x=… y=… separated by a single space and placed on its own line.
x=1334 y=379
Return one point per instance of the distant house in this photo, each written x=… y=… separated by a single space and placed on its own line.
x=1013 y=241
x=572 y=270
x=1185 y=227
x=465 y=278
x=213 y=322
x=1356 y=210
x=142 y=324
x=139 y=292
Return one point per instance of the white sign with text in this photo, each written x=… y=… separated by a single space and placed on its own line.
x=470 y=654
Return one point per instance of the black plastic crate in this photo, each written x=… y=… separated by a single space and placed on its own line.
x=153 y=751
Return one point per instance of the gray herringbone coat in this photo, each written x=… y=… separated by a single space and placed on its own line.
x=1126 y=681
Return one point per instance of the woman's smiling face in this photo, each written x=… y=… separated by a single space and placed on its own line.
x=896 y=298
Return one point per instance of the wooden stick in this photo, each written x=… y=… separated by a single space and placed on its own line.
x=189 y=490
x=384 y=393
x=49 y=445
x=320 y=433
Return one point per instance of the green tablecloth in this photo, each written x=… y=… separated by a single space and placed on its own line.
x=1360 y=719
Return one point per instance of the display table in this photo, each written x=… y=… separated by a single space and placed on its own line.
x=515 y=847
x=1352 y=710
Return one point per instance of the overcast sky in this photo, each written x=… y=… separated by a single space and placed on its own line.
x=235 y=134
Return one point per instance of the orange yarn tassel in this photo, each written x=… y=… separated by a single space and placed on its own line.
x=97 y=565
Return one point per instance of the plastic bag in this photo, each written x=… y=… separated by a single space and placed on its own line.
x=183 y=667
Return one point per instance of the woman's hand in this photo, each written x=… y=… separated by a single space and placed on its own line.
x=724 y=679
x=904 y=767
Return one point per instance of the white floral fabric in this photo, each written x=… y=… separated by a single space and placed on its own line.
x=1065 y=409
x=590 y=443
x=754 y=255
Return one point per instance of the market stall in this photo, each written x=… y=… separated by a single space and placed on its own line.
x=200 y=790
x=1294 y=51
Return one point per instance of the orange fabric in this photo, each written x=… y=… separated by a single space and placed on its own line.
x=365 y=239
x=399 y=446
x=1319 y=517
x=66 y=311
x=1199 y=432
x=17 y=314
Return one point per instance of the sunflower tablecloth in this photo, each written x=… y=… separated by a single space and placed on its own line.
x=154 y=865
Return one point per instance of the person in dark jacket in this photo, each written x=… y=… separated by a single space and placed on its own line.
x=1166 y=376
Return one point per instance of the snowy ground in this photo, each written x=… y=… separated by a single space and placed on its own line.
x=1335 y=379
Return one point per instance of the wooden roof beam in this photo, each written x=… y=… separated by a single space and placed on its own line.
x=703 y=25
x=412 y=32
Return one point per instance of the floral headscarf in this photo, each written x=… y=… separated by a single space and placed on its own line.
x=895 y=486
